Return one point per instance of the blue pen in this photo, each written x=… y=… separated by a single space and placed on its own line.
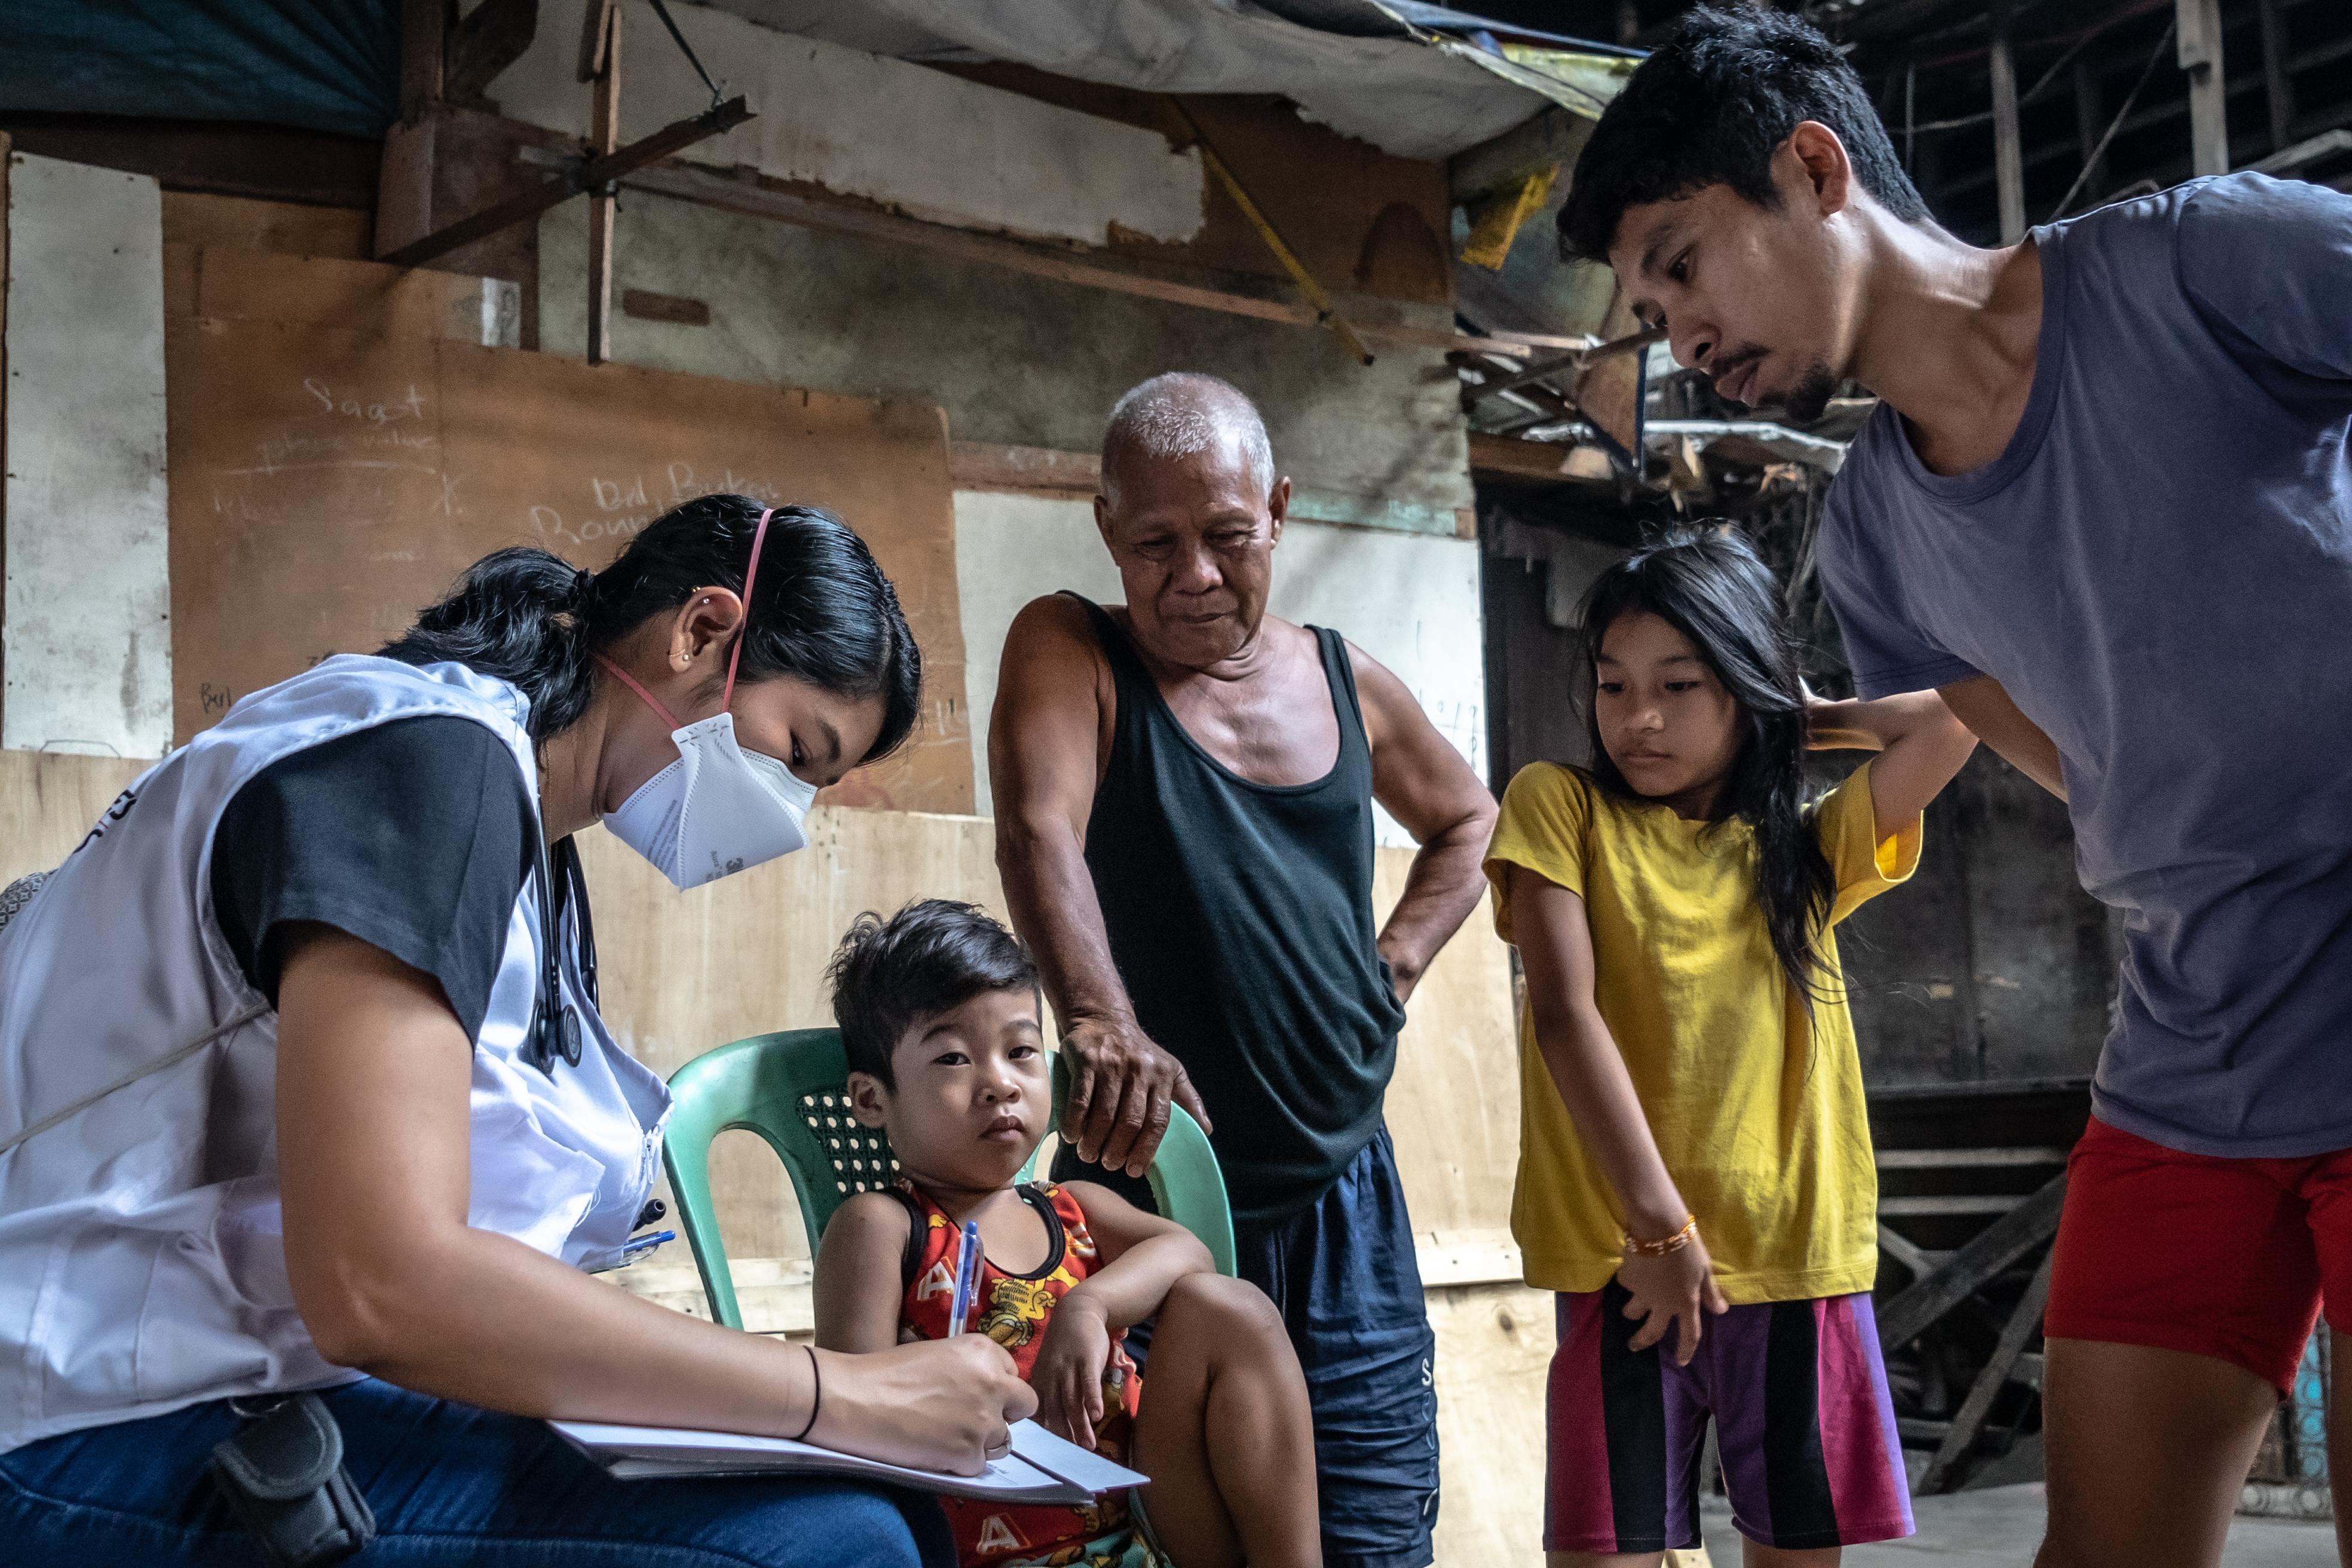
x=967 y=1275
x=638 y=1243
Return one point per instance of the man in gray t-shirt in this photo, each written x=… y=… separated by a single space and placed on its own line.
x=2105 y=506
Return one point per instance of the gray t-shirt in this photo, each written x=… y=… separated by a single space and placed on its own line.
x=2158 y=569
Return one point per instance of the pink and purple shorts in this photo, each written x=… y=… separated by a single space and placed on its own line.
x=1798 y=1394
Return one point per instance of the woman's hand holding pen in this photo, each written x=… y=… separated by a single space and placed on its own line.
x=942 y=1405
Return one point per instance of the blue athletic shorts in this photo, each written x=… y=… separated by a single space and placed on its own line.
x=1343 y=1273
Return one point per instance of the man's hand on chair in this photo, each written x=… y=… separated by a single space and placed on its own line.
x=1121 y=1086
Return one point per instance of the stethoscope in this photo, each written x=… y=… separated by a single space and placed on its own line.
x=554 y=1022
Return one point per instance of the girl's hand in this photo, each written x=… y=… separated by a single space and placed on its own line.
x=1068 y=1371
x=943 y=1405
x=1678 y=1286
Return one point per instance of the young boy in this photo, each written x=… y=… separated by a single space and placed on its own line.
x=940 y=1015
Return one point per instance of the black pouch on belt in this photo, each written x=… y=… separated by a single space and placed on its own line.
x=283 y=1473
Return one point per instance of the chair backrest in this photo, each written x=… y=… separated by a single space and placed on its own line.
x=792 y=1087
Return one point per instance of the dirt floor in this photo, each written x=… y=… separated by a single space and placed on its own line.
x=2000 y=1527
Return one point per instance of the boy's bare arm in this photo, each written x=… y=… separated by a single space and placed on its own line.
x=1984 y=706
x=857 y=1287
x=1142 y=1255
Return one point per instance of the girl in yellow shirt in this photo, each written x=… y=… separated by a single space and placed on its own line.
x=1695 y=1150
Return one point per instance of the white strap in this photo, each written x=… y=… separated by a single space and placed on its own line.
x=158 y=1065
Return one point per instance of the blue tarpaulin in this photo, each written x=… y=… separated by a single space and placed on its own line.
x=322 y=64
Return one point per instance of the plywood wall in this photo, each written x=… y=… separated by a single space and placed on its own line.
x=326 y=480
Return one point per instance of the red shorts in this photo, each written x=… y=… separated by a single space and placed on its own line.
x=2228 y=1258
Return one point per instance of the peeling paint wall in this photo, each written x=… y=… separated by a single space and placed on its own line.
x=1014 y=359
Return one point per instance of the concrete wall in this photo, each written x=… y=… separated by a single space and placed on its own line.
x=1015 y=359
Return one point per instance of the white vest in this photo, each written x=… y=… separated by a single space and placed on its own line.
x=142 y=1268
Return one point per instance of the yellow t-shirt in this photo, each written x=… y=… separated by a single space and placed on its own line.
x=1760 y=1117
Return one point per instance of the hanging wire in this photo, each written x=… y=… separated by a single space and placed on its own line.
x=663 y=12
x=2115 y=125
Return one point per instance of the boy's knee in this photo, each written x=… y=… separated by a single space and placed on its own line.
x=1221 y=1306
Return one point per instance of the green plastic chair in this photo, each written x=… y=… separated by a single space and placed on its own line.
x=792 y=1087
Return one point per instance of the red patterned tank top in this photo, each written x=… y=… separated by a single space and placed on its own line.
x=1013 y=1310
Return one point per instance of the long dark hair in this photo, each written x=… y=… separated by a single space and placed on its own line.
x=1711 y=587
x=825 y=614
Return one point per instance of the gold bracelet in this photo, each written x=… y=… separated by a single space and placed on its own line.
x=1675 y=1243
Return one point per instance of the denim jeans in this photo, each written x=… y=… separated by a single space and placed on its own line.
x=450 y=1485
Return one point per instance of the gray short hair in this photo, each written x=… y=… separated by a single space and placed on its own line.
x=1180 y=413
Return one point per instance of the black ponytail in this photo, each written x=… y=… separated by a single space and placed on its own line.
x=825 y=614
x=1711 y=587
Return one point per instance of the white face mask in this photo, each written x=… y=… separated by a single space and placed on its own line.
x=718 y=809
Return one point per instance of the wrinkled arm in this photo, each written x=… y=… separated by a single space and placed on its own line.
x=1435 y=796
x=1986 y=709
x=374 y=1077
x=1043 y=741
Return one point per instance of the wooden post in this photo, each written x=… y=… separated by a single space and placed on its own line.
x=2008 y=152
x=2200 y=57
x=604 y=135
x=2022 y=1324
x=422 y=34
x=2280 y=91
x=2089 y=127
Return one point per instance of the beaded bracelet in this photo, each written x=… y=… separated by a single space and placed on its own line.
x=1675 y=1243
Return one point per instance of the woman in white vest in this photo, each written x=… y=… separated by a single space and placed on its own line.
x=299 y=1089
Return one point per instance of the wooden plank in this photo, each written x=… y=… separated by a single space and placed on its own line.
x=745 y=193
x=422 y=24
x=2022 y=1325
x=1024 y=470
x=2007 y=148
x=244 y=223
x=224 y=285
x=603 y=136
x=2199 y=42
x=1456 y=1257
x=7 y=160
x=1947 y=1203
x=1916 y=1260
x=48 y=801
x=2090 y=127
x=1968 y=1159
x=1495 y=1345
x=2278 y=87
x=330 y=480
x=1998 y=1246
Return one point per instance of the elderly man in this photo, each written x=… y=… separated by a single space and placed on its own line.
x=1184 y=788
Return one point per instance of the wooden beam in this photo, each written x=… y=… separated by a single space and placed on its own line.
x=2199 y=41
x=713 y=122
x=1517 y=459
x=421 y=55
x=1506 y=162
x=2022 y=1325
x=2280 y=87
x=1992 y=1250
x=1027 y=471
x=493 y=35
x=604 y=138
x=744 y=193
x=2007 y=148
x=2090 y=125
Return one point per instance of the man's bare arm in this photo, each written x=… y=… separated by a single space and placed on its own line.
x=1043 y=742
x=1986 y=709
x=1432 y=791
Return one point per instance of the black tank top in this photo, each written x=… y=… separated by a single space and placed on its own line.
x=1240 y=916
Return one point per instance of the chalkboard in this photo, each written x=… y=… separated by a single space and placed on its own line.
x=326 y=481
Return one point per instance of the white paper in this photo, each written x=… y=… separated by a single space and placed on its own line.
x=1041 y=1467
